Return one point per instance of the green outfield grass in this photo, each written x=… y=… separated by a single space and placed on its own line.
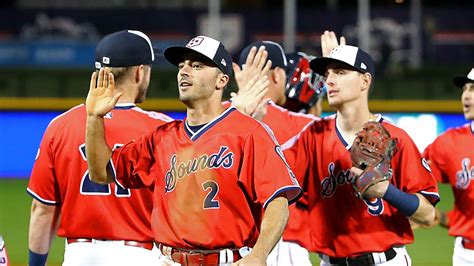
x=432 y=247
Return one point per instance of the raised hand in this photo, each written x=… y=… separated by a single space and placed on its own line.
x=102 y=96
x=251 y=95
x=329 y=42
x=256 y=64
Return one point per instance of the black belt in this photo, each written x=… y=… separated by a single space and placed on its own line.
x=362 y=260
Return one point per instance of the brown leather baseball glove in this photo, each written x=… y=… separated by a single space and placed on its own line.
x=372 y=151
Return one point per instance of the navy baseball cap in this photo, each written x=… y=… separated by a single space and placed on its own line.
x=212 y=50
x=461 y=81
x=275 y=53
x=352 y=56
x=123 y=49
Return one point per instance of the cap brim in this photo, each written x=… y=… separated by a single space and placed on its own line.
x=320 y=64
x=461 y=81
x=174 y=55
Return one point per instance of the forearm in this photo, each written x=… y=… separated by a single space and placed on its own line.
x=43 y=226
x=273 y=224
x=414 y=206
x=425 y=213
x=97 y=151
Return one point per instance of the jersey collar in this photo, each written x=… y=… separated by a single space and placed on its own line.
x=472 y=127
x=345 y=141
x=124 y=106
x=195 y=135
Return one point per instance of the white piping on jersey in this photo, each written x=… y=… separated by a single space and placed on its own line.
x=193 y=134
x=293 y=113
x=125 y=104
x=75 y=107
x=111 y=163
x=472 y=127
x=346 y=140
x=40 y=198
x=153 y=114
x=269 y=131
x=290 y=142
x=430 y=193
x=285 y=188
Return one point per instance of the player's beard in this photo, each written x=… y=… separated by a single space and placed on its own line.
x=198 y=91
x=142 y=90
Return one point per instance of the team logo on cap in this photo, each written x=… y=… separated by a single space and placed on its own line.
x=195 y=42
x=223 y=62
x=363 y=66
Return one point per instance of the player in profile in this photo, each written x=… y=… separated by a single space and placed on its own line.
x=221 y=182
x=451 y=158
x=102 y=224
x=344 y=229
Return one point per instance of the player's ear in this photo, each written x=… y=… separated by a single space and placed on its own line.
x=366 y=81
x=278 y=75
x=222 y=80
x=139 y=73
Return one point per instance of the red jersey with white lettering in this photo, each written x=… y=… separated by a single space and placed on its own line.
x=60 y=177
x=286 y=124
x=451 y=158
x=341 y=224
x=212 y=184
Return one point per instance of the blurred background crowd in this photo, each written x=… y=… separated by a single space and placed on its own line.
x=416 y=43
x=47 y=55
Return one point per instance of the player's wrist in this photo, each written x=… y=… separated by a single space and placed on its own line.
x=406 y=203
x=36 y=259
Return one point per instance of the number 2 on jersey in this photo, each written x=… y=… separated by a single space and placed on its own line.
x=210 y=202
x=91 y=188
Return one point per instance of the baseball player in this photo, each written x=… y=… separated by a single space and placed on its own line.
x=221 y=182
x=102 y=224
x=346 y=230
x=455 y=166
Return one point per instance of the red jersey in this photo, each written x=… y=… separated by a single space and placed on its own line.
x=286 y=124
x=341 y=224
x=211 y=185
x=60 y=177
x=451 y=158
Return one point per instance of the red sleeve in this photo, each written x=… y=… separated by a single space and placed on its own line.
x=298 y=153
x=411 y=171
x=133 y=163
x=436 y=162
x=285 y=124
x=265 y=173
x=42 y=185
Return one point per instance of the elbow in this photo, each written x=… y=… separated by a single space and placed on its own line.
x=431 y=217
x=427 y=217
x=99 y=178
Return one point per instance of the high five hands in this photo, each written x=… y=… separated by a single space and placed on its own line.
x=102 y=96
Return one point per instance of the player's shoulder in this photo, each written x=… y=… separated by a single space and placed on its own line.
x=320 y=124
x=451 y=134
x=467 y=128
x=241 y=124
x=70 y=116
x=403 y=138
x=274 y=108
x=393 y=129
x=152 y=114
